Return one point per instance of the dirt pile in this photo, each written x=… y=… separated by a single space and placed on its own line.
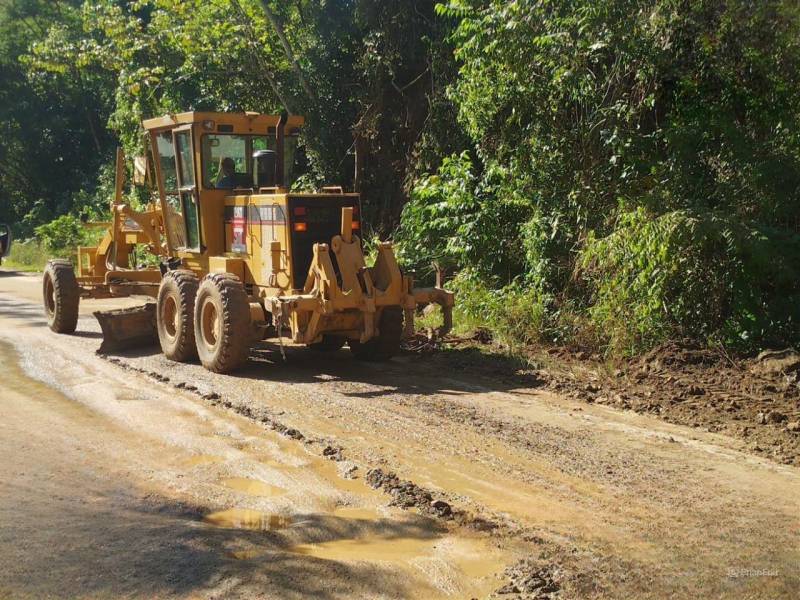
x=530 y=580
x=757 y=400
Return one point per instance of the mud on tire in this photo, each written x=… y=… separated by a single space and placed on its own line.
x=387 y=343
x=175 y=313
x=61 y=296
x=222 y=323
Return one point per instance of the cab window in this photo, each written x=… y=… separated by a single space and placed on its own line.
x=227 y=159
x=244 y=161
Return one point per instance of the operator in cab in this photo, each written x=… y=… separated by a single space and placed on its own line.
x=227 y=175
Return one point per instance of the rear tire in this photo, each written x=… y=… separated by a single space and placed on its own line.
x=329 y=343
x=222 y=323
x=175 y=313
x=61 y=296
x=387 y=343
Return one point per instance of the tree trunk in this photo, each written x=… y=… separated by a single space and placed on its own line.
x=251 y=44
x=276 y=24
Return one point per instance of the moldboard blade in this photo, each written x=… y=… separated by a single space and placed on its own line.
x=127 y=328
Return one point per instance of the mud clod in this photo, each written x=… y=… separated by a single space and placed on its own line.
x=529 y=580
x=294 y=434
x=441 y=508
x=333 y=453
x=406 y=494
x=687 y=384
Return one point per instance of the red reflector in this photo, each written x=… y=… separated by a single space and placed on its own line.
x=300 y=227
x=299 y=210
x=355 y=225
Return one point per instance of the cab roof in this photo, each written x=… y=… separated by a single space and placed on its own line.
x=242 y=122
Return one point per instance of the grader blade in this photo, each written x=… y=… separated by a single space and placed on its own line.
x=127 y=328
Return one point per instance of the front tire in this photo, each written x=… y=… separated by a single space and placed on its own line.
x=61 y=296
x=174 y=315
x=385 y=345
x=222 y=323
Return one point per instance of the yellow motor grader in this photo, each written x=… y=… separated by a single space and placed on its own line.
x=239 y=257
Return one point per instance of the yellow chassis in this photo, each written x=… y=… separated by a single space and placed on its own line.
x=346 y=306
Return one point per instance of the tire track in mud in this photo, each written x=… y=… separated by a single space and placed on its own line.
x=540 y=575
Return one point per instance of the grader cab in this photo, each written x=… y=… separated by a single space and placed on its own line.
x=240 y=257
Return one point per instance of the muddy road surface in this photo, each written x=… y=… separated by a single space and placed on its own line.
x=318 y=476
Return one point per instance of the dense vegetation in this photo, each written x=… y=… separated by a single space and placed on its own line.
x=603 y=173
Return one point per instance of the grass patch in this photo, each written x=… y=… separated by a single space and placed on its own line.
x=27 y=256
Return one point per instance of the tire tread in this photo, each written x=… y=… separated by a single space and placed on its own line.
x=67 y=296
x=236 y=334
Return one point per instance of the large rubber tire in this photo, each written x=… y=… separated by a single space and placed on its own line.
x=222 y=323
x=329 y=343
x=175 y=315
x=387 y=343
x=61 y=296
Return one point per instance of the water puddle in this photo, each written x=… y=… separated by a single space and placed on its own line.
x=245 y=518
x=328 y=470
x=368 y=549
x=338 y=519
x=252 y=487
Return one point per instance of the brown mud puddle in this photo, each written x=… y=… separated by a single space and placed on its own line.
x=252 y=487
x=294 y=495
x=368 y=549
x=246 y=518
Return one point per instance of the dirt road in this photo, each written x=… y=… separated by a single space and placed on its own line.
x=131 y=475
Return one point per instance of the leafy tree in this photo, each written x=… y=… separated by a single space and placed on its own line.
x=590 y=111
x=53 y=129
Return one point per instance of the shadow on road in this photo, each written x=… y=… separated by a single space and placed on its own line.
x=124 y=546
x=30 y=313
x=459 y=371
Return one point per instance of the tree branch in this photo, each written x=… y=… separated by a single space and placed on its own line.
x=276 y=24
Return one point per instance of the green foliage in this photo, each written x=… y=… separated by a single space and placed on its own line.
x=516 y=314
x=598 y=172
x=351 y=66
x=53 y=135
x=61 y=237
x=27 y=255
x=685 y=275
x=454 y=222
x=640 y=162
x=434 y=222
